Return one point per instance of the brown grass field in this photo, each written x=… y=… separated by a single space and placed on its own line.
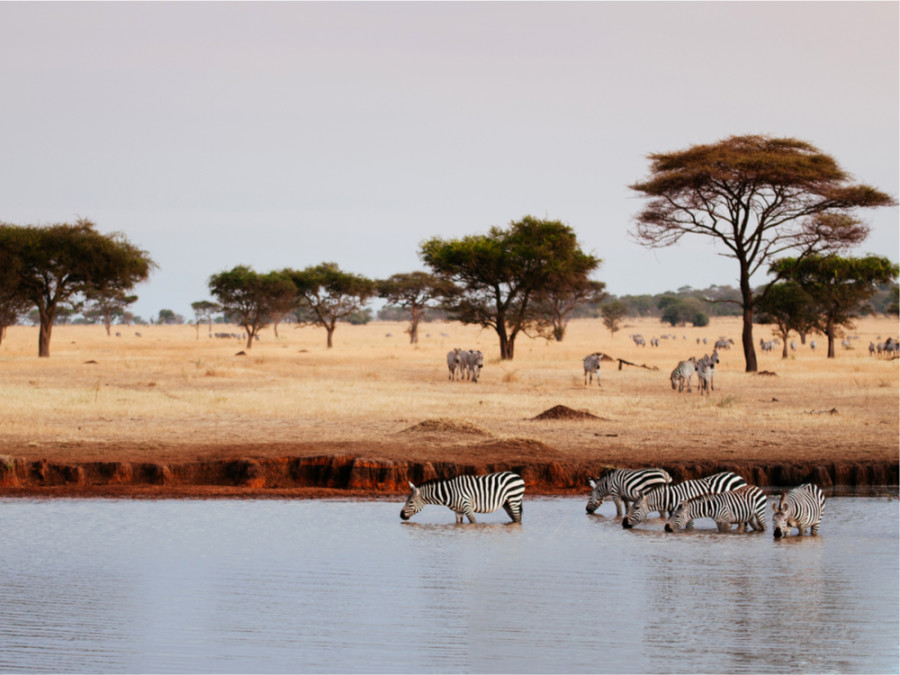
x=171 y=396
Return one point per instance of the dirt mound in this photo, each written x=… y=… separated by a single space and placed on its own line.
x=446 y=425
x=561 y=412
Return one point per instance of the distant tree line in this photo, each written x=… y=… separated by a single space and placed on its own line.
x=757 y=197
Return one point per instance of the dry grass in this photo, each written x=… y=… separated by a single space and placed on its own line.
x=168 y=392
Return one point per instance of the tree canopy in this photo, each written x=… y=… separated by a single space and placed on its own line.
x=326 y=295
x=758 y=197
x=496 y=276
x=789 y=308
x=837 y=286
x=413 y=292
x=249 y=297
x=56 y=263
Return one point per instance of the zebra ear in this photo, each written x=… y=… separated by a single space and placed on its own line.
x=592 y=483
x=411 y=486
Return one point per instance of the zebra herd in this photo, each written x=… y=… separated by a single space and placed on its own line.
x=705 y=369
x=724 y=497
x=468 y=362
x=889 y=347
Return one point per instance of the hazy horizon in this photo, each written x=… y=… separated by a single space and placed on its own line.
x=289 y=134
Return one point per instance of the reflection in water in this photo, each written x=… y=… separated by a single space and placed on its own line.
x=330 y=586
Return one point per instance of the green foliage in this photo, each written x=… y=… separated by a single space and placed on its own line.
x=837 y=287
x=681 y=311
x=756 y=196
x=326 y=295
x=496 y=277
x=57 y=264
x=414 y=293
x=251 y=299
x=613 y=313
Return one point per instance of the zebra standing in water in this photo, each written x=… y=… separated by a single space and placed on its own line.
x=624 y=486
x=743 y=507
x=683 y=373
x=454 y=364
x=468 y=495
x=668 y=497
x=591 y=364
x=802 y=507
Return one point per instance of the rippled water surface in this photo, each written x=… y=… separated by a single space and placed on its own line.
x=334 y=586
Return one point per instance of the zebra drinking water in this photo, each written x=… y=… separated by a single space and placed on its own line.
x=468 y=495
x=683 y=373
x=591 y=364
x=668 y=497
x=745 y=506
x=624 y=486
x=802 y=507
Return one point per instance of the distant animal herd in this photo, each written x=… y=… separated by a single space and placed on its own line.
x=725 y=497
x=467 y=363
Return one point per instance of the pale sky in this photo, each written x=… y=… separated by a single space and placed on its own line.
x=292 y=133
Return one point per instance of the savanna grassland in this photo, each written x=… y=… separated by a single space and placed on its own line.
x=175 y=395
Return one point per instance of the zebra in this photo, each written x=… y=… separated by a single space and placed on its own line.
x=471 y=361
x=638 y=340
x=668 y=497
x=591 y=364
x=872 y=348
x=745 y=506
x=453 y=363
x=723 y=343
x=793 y=346
x=812 y=345
x=891 y=346
x=624 y=485
x=468 y=495
x=683 y=373
x=802 y=507
x=706 y=368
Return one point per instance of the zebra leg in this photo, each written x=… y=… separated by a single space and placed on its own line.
x=814 y=529
x=514 y=510
x=459 y=517
x=618 y=500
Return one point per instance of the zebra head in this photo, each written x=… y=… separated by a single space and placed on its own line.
x=637 y=513
x=779 y=520
x=414 y=503
x=679 y=518
x=597 y=494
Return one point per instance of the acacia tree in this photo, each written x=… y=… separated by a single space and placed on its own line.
x=106 y=304
x=613 y=312
x=249 y=297
x=837 y=286
x=327 y=295
x=759 y=197
x=789 y=308
x=497 y=276
x=56 y=263
x=554 y=303
x=203 y=311
x=413 y=291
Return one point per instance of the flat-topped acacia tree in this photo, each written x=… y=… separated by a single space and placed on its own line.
x=250 y=297
x=53 y=264
x=498 y=277
x=759 y=197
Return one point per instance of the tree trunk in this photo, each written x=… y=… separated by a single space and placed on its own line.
x=44 y=338
x=414 y=326
x=249 y=337
x=829 y=333
x=330 y=330
x=2 y=333
x=747 y=332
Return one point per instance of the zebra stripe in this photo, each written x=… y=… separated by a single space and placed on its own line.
x=706 y=368
x=471 y=361
x=745 y=506
x=624 y=486
x=668 y=497
x=453 y=363
x=468 y=495
x=591 y=364
x=802 y=507
x=683 y=373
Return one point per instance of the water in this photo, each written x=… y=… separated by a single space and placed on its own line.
x=334 y=586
